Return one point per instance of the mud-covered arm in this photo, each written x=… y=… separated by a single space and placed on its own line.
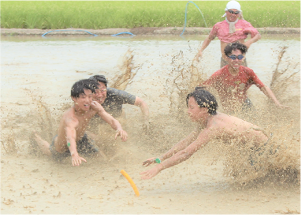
x=144 y=109
x=205 y=43
x=188 y=151
x=180 y=156
x=180 y=145
x=269 y=93
x=255 y=36
x=252 y=40
x=114 y=123
x=71 y=124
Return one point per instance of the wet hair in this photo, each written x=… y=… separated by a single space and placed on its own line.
x=79 y=86
x=204 y=99
x=100 y=78
x=235 y=46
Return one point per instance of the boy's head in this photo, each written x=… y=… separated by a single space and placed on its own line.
x=101 y=93
x=79 y=86
x=235 y=46
x=82 y=93
x=204 y=99
x=235 y=53
x=99 y=78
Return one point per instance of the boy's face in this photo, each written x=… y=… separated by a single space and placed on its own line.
x=100 y=93
x=84 y=100
x=235 y=64
x=195 y=113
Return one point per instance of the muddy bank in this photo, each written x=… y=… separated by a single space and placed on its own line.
x=137 y=31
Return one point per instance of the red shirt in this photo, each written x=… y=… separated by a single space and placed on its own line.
x=233 y=88
x=242 y=29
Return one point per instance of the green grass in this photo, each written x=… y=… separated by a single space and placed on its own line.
x=129 y=14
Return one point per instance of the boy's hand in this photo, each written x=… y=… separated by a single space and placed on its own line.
x=198 y=56
x=149 y=161
x=151 y=172
x=122 y=134
x=283 y=107
x=96 y=106
x=76 y=159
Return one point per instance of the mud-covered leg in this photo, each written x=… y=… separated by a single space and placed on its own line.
x=42 y=144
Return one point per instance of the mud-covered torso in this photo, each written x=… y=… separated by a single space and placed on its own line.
x=231 y=129
x=80 y=121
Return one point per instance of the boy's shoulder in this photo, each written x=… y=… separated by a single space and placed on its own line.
x=69 y=116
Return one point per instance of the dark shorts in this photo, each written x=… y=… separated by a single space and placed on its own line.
x=224 y=63
x=259 y=151
x=84 y=146
x=247 y=105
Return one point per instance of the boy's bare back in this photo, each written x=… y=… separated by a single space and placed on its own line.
x=227 y=127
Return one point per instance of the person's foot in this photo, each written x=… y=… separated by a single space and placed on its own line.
x=42 y=144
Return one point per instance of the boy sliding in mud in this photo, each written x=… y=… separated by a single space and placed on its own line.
x=71 y=133
x=202 y=107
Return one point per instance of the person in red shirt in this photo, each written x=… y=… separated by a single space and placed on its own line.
x=233 y=80
x=232 y=29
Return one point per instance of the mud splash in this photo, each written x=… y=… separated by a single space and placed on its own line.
x=279 y=158
x=126 y=71
x=183 y=78
x=167 y=130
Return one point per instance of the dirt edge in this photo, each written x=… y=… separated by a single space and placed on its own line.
x=135 y=31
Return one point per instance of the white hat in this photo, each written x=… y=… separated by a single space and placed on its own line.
x=233 y=5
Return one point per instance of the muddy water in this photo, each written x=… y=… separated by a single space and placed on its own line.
x=37 y=74
x=51 y=66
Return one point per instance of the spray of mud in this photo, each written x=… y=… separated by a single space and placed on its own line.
x=17 y=130
x=126 y=72
x=279 y=157
x=183 y=78
x=277 y=160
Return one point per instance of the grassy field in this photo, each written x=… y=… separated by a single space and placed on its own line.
x=129 y=14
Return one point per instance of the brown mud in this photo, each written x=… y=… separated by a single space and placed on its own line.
x=216 y=179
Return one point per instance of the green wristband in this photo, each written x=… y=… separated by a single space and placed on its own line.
x=158 y=160
x=68 y=144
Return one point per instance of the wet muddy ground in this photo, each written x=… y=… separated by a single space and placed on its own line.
x=36 y=77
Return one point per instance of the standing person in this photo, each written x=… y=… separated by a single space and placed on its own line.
x=233 y=80
x=202 y=108
x=112 y=100
x=71 y=138
x=230 y=30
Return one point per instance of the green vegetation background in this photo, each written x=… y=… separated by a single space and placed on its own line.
x=129 y=14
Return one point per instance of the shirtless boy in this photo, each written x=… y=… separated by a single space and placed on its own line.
x=71 y=136
x=231 y=30
x=233 y=80
x=202 y=109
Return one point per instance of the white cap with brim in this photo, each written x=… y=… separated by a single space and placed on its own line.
x=232 y=5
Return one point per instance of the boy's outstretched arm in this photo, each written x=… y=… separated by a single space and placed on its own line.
x=110 y=120
x=203 y=139
x=71 y=141
x=177 y=147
